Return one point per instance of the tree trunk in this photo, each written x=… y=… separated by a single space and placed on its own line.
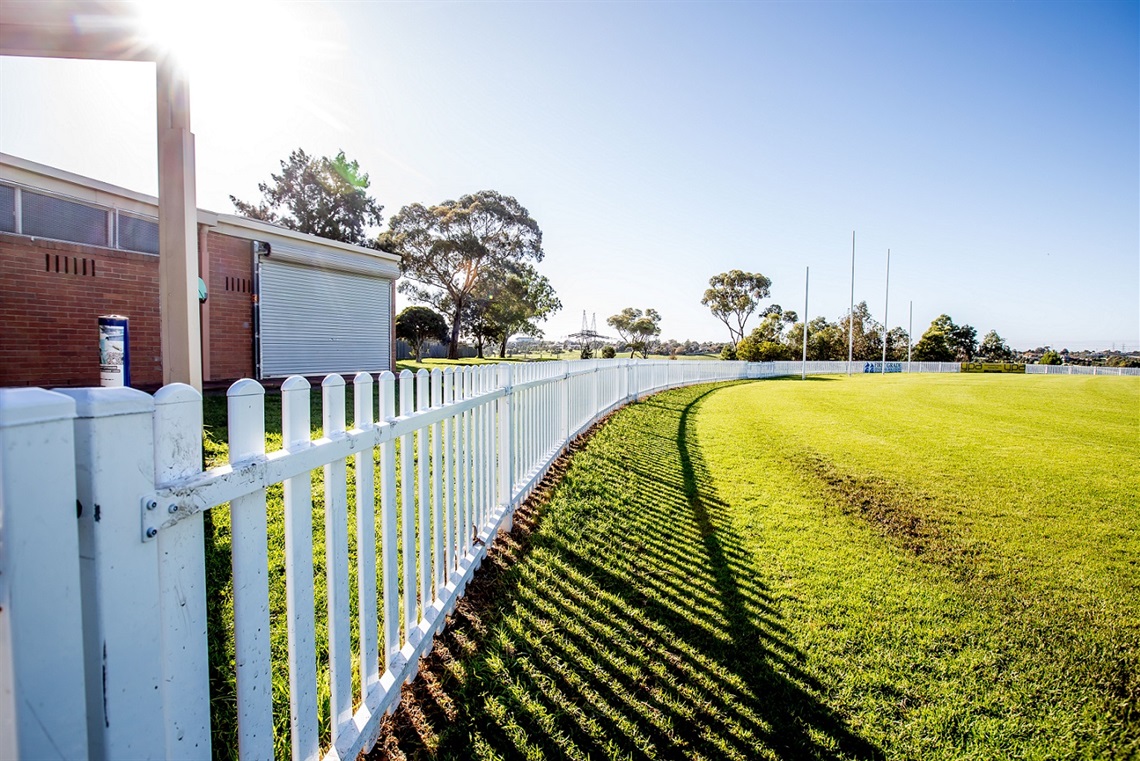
x=453 y=346
x=479 y=346
x=503 y=349
x=419 y=349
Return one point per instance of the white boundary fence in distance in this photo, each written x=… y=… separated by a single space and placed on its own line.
x=105 y=616
x=1079 y=370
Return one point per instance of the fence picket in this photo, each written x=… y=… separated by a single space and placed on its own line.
x=460 y=467
x=407 y=510
x=336 y=565
x=437 y=484
x=295 y=436
x=249 y=561
x=423 y=568
x=448 y=479
x=388 y=527
x=366 y=545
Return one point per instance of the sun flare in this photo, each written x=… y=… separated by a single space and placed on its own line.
x=231 y=41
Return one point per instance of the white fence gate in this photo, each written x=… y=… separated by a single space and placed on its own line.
x=104 y=617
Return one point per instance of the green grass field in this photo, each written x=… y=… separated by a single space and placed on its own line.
x=908 y=567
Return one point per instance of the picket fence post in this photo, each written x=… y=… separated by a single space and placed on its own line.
x=122 y=616
x=182 y=579
x=41 y=634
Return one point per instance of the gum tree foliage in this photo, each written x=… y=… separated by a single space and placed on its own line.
x=1050 y=357
x=944 y=341
x=608 y=352
x=733 y=296
x=752 y=350
x=994 y=348
x=477 y=324
x=449 y=249
x=320 y=196
x=418 y=324
x=523 y=299
x=825 y=341
x=506 y=304
x=636 y=328
x=897 y=343
x=867 y=343
x=773 y=322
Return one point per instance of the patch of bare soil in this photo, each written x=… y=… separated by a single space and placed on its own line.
x=901 y=515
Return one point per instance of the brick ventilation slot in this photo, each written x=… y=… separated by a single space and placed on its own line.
x=69 y=265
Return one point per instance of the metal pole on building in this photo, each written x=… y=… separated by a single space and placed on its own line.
x=886 y=305
x=909 y=335
x=851 y=314
x=807 y=275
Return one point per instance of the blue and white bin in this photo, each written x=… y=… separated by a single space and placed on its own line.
x=114 y=351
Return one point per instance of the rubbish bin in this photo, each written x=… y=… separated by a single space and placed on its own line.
x=114 y=351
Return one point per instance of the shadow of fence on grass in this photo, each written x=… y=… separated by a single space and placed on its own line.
x=632 y=622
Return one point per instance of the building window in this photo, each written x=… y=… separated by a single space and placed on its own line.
x=49 y=217
x=138 y=233
x=7 y=209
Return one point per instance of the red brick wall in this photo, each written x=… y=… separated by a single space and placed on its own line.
x=49 y=331
x=231 y=307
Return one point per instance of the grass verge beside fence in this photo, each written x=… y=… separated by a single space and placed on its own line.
x=909 y=566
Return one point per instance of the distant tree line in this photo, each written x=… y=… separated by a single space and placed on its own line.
x=734 y=296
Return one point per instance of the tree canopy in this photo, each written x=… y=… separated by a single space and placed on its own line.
x=994 y=348
x=449 y=250
x=866 y=337
x=944 y=341
x=501 y=308
x=636 y=328
x=733 y=296
x=418 y=324
x=320 y=196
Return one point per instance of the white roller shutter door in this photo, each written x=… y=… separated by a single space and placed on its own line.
x=315 y=321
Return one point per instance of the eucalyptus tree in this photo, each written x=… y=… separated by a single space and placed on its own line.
x=450 y=249
x=994 y=348
x=418 y=324
x=636 y=328
x=733 y=296
x=524 y=299
x=320 y=196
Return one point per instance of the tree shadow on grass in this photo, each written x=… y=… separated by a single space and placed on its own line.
x=623 y=619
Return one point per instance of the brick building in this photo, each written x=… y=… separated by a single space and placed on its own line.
x=280 y=302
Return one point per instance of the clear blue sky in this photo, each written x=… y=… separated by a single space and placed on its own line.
x=993 y=147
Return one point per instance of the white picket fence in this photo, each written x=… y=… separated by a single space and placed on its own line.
x=105 y=617
x=1079 y=370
